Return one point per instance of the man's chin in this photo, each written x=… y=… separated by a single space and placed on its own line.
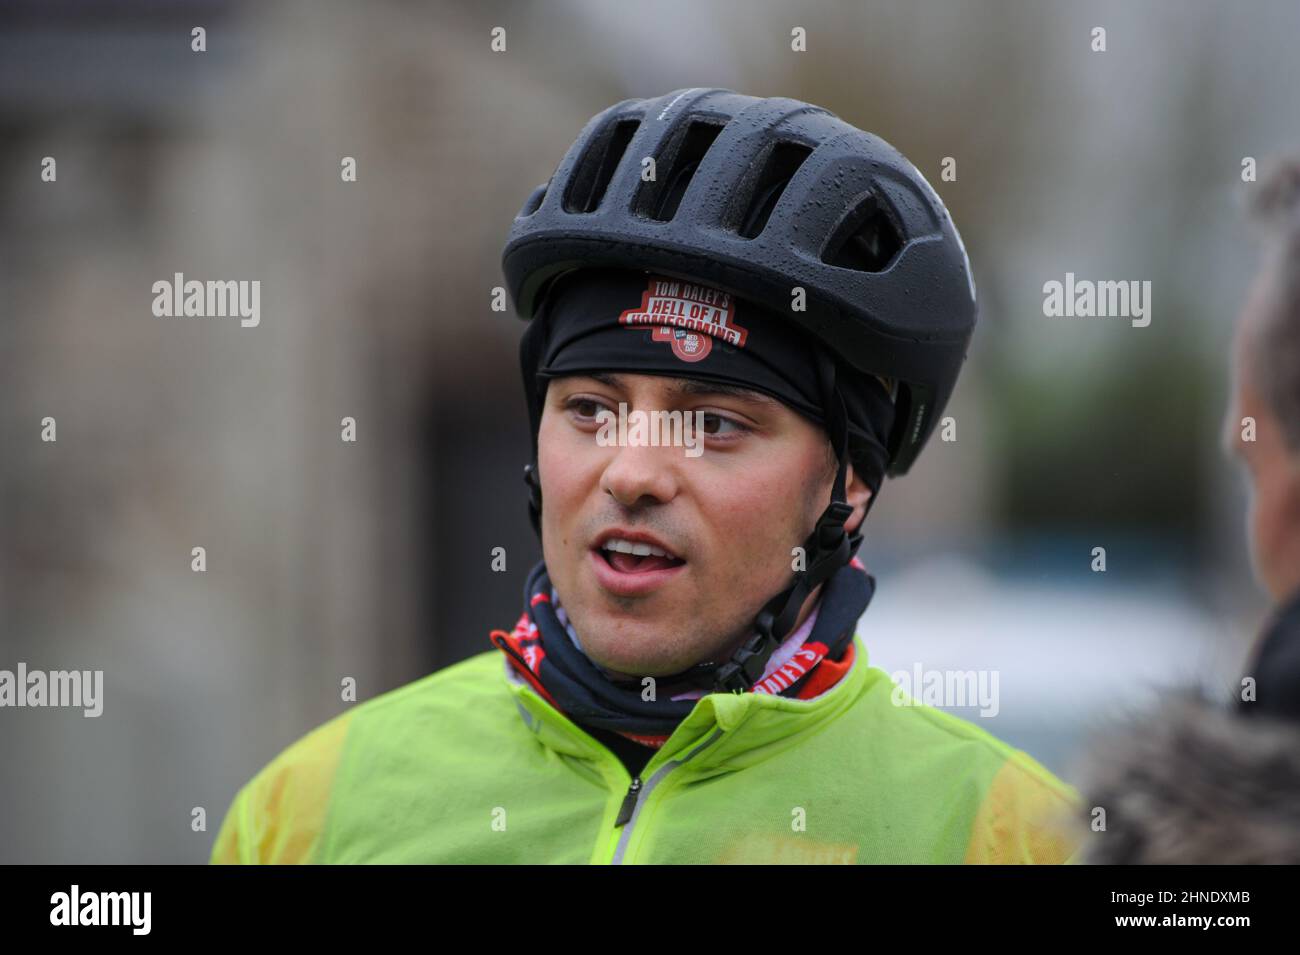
x=623 y=651
x=624 y=670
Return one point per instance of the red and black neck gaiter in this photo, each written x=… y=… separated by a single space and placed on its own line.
x=540 y=650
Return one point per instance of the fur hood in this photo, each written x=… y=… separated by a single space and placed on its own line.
x=1191 y=781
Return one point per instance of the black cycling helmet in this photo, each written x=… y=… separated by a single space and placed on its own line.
x=759 y=197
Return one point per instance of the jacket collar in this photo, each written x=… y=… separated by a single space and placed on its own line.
x=723 y=732
x=1275 y=664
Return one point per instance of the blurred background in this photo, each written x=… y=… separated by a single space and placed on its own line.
x=371 y=560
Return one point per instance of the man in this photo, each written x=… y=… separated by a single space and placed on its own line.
x=1263 y=430
x=685 y=683
x=1192 y=781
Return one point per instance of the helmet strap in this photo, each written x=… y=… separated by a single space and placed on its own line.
x=828 y=548
x=531 y=348
x=534 y=496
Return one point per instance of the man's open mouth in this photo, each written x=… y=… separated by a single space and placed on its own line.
x=636 y=558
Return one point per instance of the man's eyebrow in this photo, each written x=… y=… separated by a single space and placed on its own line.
x=693 y=386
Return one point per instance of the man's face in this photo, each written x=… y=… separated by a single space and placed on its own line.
x=730 y=516
x=1273 y=469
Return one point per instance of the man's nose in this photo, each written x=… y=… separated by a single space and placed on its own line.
x=641 y=474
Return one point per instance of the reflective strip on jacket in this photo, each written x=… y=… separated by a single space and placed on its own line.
x=469 y=765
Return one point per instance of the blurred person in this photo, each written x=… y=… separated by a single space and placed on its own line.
x=1194 y=782
x=1266 y=392
x=685 y=683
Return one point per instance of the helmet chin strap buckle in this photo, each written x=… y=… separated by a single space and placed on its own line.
x=831 y=524
x=745 y=668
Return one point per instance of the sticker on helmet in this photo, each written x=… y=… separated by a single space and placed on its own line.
x=686 y=315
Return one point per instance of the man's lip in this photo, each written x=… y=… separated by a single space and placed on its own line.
x=630 y=585
x=635 y=537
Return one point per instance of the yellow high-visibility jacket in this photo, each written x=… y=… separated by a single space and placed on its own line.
x=471 y=764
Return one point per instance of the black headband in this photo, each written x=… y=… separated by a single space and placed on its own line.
x=613 y=320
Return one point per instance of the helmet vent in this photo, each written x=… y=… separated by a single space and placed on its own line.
x=596 y=168
x=675 y=168
x=783 y=161
x=534 y=202
x=865 y=240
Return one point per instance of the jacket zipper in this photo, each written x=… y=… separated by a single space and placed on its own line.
x=632 y=802
x=629 y=802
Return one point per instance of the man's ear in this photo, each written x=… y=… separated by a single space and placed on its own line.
x=857 y=494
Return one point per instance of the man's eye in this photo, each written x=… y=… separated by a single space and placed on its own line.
x=585 y=407
x=715 y=423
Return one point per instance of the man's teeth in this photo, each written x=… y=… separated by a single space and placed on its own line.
x=637 y=550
